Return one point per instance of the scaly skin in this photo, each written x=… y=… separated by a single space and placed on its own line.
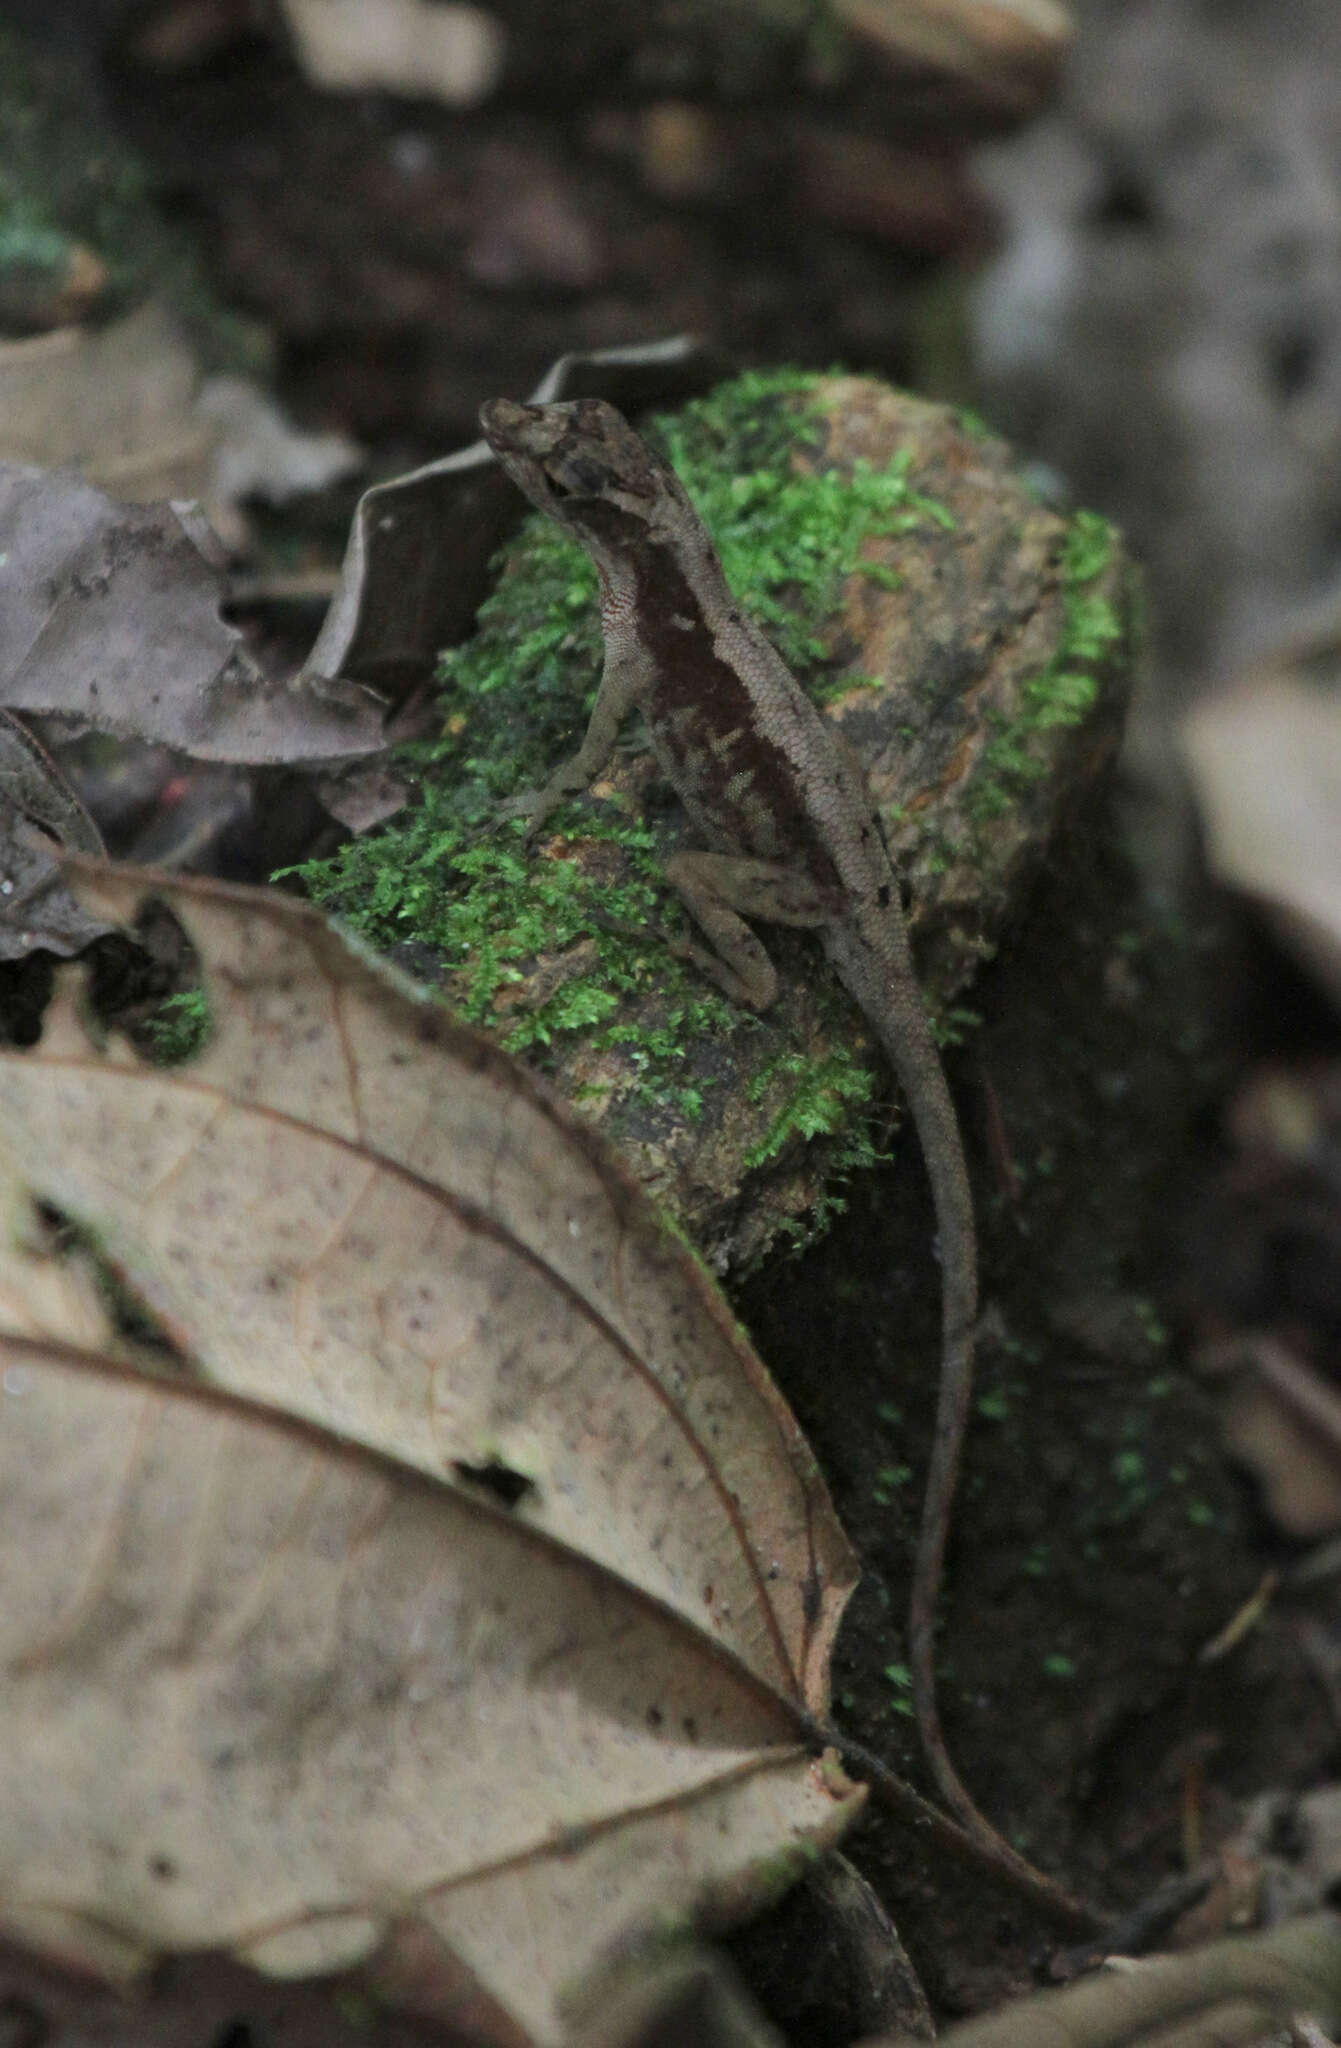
x=793 y=836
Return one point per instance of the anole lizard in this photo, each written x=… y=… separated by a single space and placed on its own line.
x=794 y=839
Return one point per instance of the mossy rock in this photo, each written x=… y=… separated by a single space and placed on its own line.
x=975 y=647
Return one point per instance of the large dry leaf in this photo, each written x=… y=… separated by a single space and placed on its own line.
x=350 y=1209
x=266 y=1693
x=353 y=1207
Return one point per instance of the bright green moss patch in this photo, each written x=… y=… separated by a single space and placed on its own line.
x=447 y=874
x=179 y=1028
x=788 y=540
x=1067 y=690
x=818 y=1101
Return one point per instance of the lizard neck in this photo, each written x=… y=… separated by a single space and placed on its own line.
x=659 y=566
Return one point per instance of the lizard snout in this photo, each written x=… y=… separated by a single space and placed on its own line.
x=504 y=421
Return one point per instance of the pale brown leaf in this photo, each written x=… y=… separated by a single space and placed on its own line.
x=267 y=1693
x=1283 y=1421
x=354 y=1207
x=1004 y=55
x=351 y=1210
x=127 y=406
x=116 y=403
x=449 y=51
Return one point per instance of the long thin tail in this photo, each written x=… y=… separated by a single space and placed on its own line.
x=874 y=961
x=919 y=1070
x=918 y=1065
x=942 y=1149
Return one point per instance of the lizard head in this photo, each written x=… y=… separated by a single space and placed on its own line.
x=569 y=458
x=581 y=462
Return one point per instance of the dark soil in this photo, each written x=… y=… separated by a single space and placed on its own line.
x=1101 y=1538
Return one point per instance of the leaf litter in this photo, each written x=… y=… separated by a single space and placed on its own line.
x=110 y=612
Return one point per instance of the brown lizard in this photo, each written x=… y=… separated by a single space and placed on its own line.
x=794 y=839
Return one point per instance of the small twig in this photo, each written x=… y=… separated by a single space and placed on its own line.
x=1241 y=1622
x=1307 y=1397
x=1141 y=1928
x=995 y=1858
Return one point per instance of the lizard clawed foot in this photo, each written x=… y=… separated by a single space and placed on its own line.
x=529 y=804
x=536 y=805
x=631 y=928
x=709 y=964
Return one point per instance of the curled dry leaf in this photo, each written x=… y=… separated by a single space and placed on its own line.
x=110 y=615
x=109 y=612
x=394 y=609
x=282 y=1675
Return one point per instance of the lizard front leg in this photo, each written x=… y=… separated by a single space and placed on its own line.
x=721 y=890
x=614 y=700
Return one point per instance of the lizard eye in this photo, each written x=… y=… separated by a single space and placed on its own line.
x=578 y=478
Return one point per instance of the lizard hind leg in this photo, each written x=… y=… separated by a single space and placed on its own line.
x=721 y=890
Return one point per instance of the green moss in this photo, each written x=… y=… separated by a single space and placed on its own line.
x=788 y=539
x=179 y=1028
x=831 y=1098
x=446 y=874
x=901 y=1679
x=973 y=424
x=819 y=1102
x=1066 y=691
x=955 y=1026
